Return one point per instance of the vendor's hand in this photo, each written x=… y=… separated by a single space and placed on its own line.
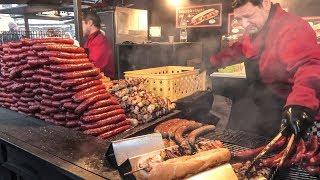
x=297 y=120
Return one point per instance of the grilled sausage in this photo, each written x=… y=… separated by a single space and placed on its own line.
x=97 y=117
x=86 y=103
x=178 y=135
x=195 y=133
x=159 y=128
x=64 y=48
x=87 y=85
x=79 y=74
x=70 y=105
x=102 y=110
x=71 y=124
x=105 y=122
x=250 y=153
x=114 y=132
x=91 y=94
x=58 y=54
x=107 y=128
x=55 y=60
x=312 y=147
x=38 y=62
x=61 y=96
x=78 y=81
x=79 y=96
x=104 y=103
x=313 y=170
x=71 y=67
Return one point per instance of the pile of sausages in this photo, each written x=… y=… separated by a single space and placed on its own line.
x=54 y=81
x=304 y=154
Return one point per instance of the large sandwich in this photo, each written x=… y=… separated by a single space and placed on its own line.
x=204 y=16
x=184 y=166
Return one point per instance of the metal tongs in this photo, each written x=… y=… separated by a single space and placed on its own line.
x=267 y=148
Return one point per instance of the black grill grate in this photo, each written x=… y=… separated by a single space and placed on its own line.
x=238 y=140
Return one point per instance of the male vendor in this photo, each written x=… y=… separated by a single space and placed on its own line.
x=283 y=60
x=100 y=51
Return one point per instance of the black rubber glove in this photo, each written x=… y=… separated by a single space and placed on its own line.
x=297 y=120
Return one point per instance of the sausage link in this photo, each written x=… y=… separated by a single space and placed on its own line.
x=46 y=102
x=62 y=54
x=269 y=162
x=78 y=81
x=312 y=147
x=61 y=96
x=14 y=73
x=313 y=170
x=28 y=95
x=44 y=72
x=71 y=124
x=17 y=87
x=15 y=44
x=24 y=109
x=52 y=40
x=79 y=74
x=104 y=122
x=107 y=128
x=86 y=103
x=38 y=47
x=25 y=99
x=56 y=104
x=79 y=96
x=97 y=117
x=250 y=153
x=90 y=94
x=87 y=85
x=57 y=89
x=48 y=110
x=178 y=135
x=70 y=105
x=27 y=73
x=65 y=100
x=37 y=77
x=59 y=117
x=71 y=67
x=37 y=62
x=114 y=132
x=55 y=60
x=195 y=133
x=33 y=108
x=70 y=115
x=299 y=154
x=64 y=48
x=103 y=103
x=102 y=110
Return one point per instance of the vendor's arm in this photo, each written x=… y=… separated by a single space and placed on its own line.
x=228 y=56
x=300 y=53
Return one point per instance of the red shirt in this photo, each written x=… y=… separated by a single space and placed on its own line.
x=288 y=55
x=100 y=53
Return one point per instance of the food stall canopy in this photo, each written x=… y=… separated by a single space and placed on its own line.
x=34 y=9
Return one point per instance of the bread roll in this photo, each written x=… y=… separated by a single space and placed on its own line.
x=181 y=167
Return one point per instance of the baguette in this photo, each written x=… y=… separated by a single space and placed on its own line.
x=204 y=16
x=184 y=166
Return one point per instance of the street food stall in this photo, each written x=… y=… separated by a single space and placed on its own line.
x=62 y=118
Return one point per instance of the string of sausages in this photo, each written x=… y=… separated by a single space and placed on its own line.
x=54 y=81
x=305 y=154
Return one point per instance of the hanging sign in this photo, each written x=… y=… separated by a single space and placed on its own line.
x=199 y=16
